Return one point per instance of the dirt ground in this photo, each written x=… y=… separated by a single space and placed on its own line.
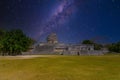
x=25 y=56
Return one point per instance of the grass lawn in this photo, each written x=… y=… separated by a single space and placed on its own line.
x=61 y=68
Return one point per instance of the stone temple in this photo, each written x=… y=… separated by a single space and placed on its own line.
x=52 y=46
x=52 y=39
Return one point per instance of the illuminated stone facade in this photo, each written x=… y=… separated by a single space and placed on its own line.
x=52 y=46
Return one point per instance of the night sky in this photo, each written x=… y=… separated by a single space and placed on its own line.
x=72 y=20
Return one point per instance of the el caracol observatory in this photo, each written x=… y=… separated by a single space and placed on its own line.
x=53 y=46
x=52 y=38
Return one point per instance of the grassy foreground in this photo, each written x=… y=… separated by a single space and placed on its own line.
x=61 y=68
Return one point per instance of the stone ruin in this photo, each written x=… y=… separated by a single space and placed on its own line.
x=52 y=47
x=52 y=39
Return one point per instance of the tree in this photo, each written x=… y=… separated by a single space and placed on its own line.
x=87 y=42
x=115 y=47
x=14 y=42
x=96 y=45
x=2 y=34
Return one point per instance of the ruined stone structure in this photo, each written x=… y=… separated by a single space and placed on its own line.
x=52 y=46
x=52 y=39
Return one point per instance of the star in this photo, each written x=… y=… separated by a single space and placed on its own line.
x=84 y=18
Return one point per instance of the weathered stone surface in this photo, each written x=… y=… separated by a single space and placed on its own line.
x=53 y=47
x=52 y=38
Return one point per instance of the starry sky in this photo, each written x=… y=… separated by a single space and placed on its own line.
x=72 y=20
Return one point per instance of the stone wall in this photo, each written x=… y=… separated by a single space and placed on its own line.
x=95 y=52
x=62 y=49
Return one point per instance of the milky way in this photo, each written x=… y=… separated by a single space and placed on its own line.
x=72 y=20
x=59 y=16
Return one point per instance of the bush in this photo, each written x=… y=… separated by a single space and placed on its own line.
x=14 y=42
x=115 y=47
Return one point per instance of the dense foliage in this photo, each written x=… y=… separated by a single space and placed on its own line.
x=96 y=45
x=87 y=42
x=115 y=47
x=14 y=42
